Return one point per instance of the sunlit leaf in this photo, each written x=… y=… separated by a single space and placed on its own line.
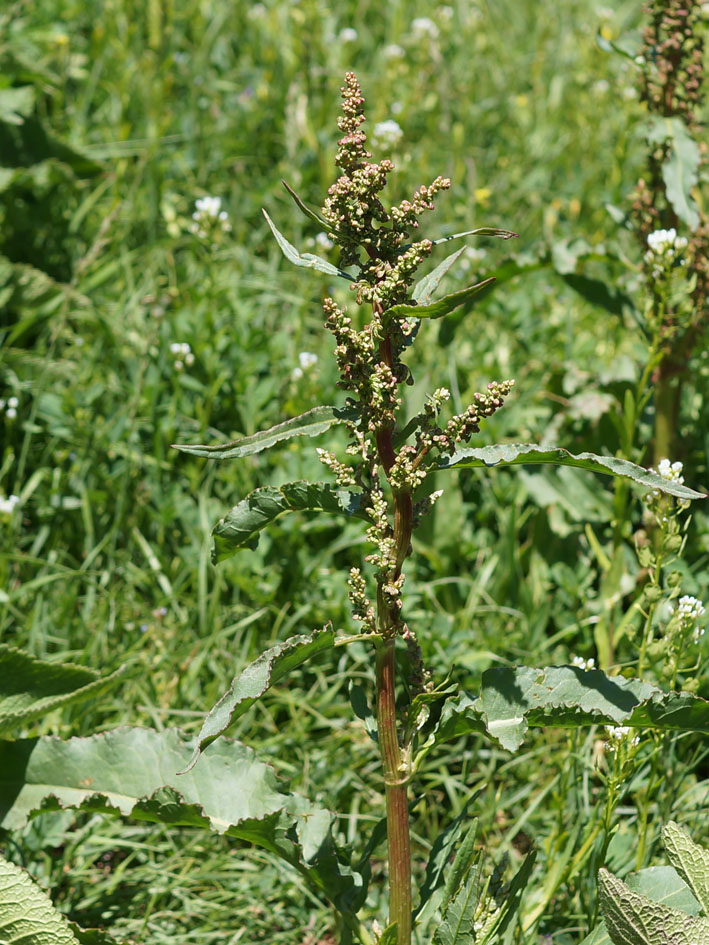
x=481 y=231
x=305 y=259
x=310 y=214
x=690 y=860
x=519 y=454
x=679 y=170
x=423 y=290
x=443 y=306
x=311 y=423
x=256 y=679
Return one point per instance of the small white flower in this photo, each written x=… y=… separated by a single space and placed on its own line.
x=601 y=86
x=672 y=472
x=183 y=354
x=7 y=506
x=665 y=242
x=690 y=608
x=422 y=27
x=10 y=413
x=387 y=134
x=13 y=402
x=209 y=217
x=393 y=51
x=306 y=360
x=396 y=108
x=348 y=35
x=618 y=733
x=582 y=663
x=445 y=12
x=323 y=241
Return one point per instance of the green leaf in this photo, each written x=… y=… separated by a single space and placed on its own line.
x=311 y=423
x=633 y=919
x=597 y=292
x=519 y=454
x=29 y=688
x=457 y=926
x=240 y=527
x=26 y=912
x=306 y=259
x=511 y=901
x=390 y=935
x=679 y=170
x=661 y=884
x=481 y=231
x=443 y=306
x=363 y=711
x=256 y=679
x=440 y=854
x=16 y=103
x=423 y=290
x=310 y=214
x=690 y=860
x=513 y=699
x=132 y=771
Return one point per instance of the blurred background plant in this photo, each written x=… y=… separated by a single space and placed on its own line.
x=122 y=120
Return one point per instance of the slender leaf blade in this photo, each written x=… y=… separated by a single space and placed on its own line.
x=29 y=687
x=305 y=259
x=480 y=231
x=241 y=526
x=423 y=290
x=304 y=209
x=255 y=680
x=519 y=454
x=443 y=306
x=311 y=423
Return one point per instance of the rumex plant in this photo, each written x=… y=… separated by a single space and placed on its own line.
x=385 y=479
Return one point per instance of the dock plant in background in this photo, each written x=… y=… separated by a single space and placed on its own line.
x=388 y=476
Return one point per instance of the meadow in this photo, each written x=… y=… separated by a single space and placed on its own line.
x=126 y=327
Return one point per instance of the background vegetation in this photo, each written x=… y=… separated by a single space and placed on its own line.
x=135 y=110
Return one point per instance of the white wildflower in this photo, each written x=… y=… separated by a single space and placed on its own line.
x=619 y=733
x=7 y=506
x=396 y=108
x=601 y=86
x=393 y=51
x=387 y=134
x=348 y=35
x=422 y=27
x=183 y=354
x=661 y=242
x=672 y=472
x=209 y=217
x=306 y=359
x=323 y=241
x=582 y=663
x=689 y=611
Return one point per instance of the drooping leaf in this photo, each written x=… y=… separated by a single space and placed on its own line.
x=565 y=696
x=29 y=688
x=519 y=454
x=26 y=911
x=443 y=306
x=679 y=170
x=633 y=919
x=305 y=259
x=423 y=290
x=133 y=772
x=661 y=884
x=311 y=423
x=690 y=860
x=481 y=231
x=256 y=679
x=310 y=214
x=597 y=292
x=240 y=527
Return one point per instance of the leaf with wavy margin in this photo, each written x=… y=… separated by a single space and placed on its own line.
x=311 y=423
x=240 y=527
x=568 y=697
x=133 y=772
x=528 y=454
x=29 y=688
x=256 y=679
x=306 y=259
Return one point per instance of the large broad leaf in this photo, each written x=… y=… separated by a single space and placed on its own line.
x=28 y=916
x=513 y=699
x=29 y=688
x=240 y=527
x=690 y=860
x=520 y=454
x=634 y=919
x=133 y=772
x=679 y=170
x=443 y=306
x=423 y=290
x=311 y=423
x=305 y=259
x=256 y=679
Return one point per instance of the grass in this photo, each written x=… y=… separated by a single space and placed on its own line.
x=108 y=557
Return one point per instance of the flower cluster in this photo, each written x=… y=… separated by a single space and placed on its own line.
x=306 y=360
x=10 y=407
x=580 y=663
x=664 y=250
x=7 y=506
x=208 y=219
x=462 y=426
x=387 y=134
x=618 y=735
x=182 y=354
x=689 y=611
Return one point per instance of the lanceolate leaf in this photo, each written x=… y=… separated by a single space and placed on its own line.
x=513 y=699
x=312 y=423
x=256 y=679
x=443 y=306
x=29 y=688
x=481 y=231
x=240 y=527
x=132 y=772
x=520 y=454
x=305 y=259
x=662 y=885
x=423 y=290
x=632 y=919
x=310 y=214
x=690 y=860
